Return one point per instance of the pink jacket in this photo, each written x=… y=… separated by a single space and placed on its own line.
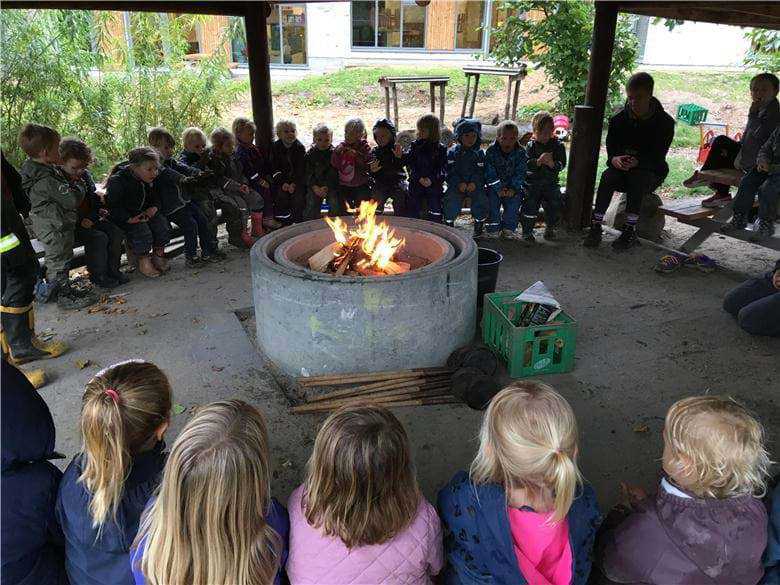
x=410 y=558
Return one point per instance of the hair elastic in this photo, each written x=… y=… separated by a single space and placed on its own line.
x=113 y=394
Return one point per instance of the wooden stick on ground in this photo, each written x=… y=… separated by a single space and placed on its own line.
x=343 y=379
x=389 y=400
x=379 y=386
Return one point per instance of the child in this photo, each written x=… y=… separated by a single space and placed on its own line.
x=289 y=170
x=706 y=523
x=214 y=520
x=466 y=175
x=352 y=159
x=763 y=180
x=175 y=200
x=194 y=149
x=231 y=191
x=387 y=169
x=101 y=238
x=134 y=203
x=522 y=515
x=359 y=516
x=54 y=213
x=322 y=180
x=505 y=166
x=546 y=159
x=256 y=168
x=124 y=415
x=32 y=547
x=426 y=161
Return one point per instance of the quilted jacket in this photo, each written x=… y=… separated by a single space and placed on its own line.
x=409 y=558
x=478 y=539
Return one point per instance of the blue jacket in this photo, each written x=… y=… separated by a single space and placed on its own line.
x=771 y=558
x=426 y=159
x=478 y=540
x=98 y=560
x=505 y=170
x=466 y=165
x=31 y=546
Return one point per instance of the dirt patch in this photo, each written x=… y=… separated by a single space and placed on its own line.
x=735 y=115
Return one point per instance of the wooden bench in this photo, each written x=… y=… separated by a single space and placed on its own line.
x=513 y=78
x=390 y=86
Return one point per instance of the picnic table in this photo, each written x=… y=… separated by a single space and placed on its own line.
x=390 y=85
x=513 y=78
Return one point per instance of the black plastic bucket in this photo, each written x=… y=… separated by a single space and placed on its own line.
x=487 y=273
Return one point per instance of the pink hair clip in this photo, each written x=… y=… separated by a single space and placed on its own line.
x=113 y=394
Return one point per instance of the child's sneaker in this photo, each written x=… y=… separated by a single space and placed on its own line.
x=192 y=261
x=700 y=262
x=492 y=235
x=627 y=240
x=738 y=222
x=669 y=263
x=549 y=234
x=528 y=238
x=211 y=259
x=219 y=254
x=507 y=234
x=593 y=239
x=764 y=231
x=717 y=200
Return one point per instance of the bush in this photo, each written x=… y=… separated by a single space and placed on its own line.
x=764 y=53
x=52 y=74
x=560 y=43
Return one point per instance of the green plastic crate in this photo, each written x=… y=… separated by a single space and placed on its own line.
x=691 y=114
x=528 y=351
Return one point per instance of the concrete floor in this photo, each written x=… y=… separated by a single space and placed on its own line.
x=644 y=341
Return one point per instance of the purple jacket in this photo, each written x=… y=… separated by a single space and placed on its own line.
x=674 y=540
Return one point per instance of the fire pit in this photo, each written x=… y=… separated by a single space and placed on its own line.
x=408 y=306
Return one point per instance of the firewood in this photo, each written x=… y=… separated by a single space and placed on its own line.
x=344 y=379
x=319 y=262
x=389 y=402
x=367 y=389
x=397 y=267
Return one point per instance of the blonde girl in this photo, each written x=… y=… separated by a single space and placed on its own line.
x=523 y=514
x=124 y=415
x=426 y=161
x=213 y=521
x=359 y=517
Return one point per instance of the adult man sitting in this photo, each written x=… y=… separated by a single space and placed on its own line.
x=638 y=138
x=756 y=304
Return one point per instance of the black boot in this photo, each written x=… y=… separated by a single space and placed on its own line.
x=764 y=231
x=449 y=223
x=626 y=240
x=17 y=337
x=738 y=222
x=70 y=299
x=479 y=229
x=593 y=239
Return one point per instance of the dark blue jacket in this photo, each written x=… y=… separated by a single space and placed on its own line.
x=543 y=173
x=505 y=170
x=426 y=158
x=771 y=558
x=31 y=546
x=93 y=559
x=478 y=540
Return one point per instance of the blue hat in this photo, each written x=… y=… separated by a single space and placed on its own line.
x=468 y=125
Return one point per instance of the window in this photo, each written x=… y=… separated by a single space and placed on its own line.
x=388 y=23
x=286 y=37
x=469 y=25
x=498 y=17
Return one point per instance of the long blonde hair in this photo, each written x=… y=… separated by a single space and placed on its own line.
x=122 y=407
x=528 y=441
x=208 y=524
x=361 y=485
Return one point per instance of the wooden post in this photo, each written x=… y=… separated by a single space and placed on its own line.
x=259 y=72
x=387 y=102
x=433 y=97
x=474 y=96
x=466 y=96
x=586 y=140
x=442 y=98
x=508 y=97
x=516 y=96
x=395 y=104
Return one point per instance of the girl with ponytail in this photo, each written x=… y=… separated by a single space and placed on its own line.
x=213 y=521
x=124 y=415
x=523 y=514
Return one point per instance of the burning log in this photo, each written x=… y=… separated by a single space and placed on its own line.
x=320 y=261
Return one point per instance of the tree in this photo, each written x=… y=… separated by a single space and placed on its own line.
x=764 y=53
x=559 y=42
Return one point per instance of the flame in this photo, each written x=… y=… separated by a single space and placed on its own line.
x=377 y=240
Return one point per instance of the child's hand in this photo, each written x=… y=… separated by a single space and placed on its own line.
x=87 y=223
x=244 y=189
x=140 y=218
x=150 y=213
x=762 y=166
x=621 y=162
x=425 y=182
x=631 y=495
x=462 y=187
x=286 y=187
x=398 y=151
x=471 y=187
x=545 y=159
x=292 y=187
x=324 y=190
x=103 y=214
x=374 y=166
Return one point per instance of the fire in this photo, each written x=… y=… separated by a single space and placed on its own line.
x=367 y=248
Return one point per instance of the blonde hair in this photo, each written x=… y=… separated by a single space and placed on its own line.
x=320 y=129
x=355 y=125
x=221 y=136
x=507 y=126
x=719 y=445
x=432 y=124
x=282 y=124
x=360 y=484
x=207 y=525
x=241 y=124
x=528 y=441
x=35 y=138
x=160 y=136
x=540 y=120
x=122 y=407
x=191 y=133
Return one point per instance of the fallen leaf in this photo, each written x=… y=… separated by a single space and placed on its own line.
x=81 y=364
x=159 y=315
x=641 y=428
x=142 y=332
x=178 y=408
x=217 y=368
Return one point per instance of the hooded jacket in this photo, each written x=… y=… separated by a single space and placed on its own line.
x=127 y=195
x=391 y=168
x=543 y=173
x=770 y=152
x=648 y=139
x=31 y=547
x=90 y=203
x=55 y=201
x=17 y=251
x=255 y=165
x=478 y=540
x=426 y=158
x=99 y=559
x=226 y=173
x=466 y=165
x=505 y=170
x=170 y=184
x=319 y=171
x=673 y=539
x=351 y=163
x=288 y=163
x=761 y=123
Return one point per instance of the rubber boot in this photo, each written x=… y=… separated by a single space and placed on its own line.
x=479 y=229
x=247 y=239
x=17 y=337
x=53 y=348
x=593 y=239
x=160 y=261
x=146 y=266
x=626 y=240
x=257 y=224
x=36 y=378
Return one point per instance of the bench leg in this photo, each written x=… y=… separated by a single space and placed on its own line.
x=433 y=98
x=515 y=97
x=466 y=96
x=387 y=102
x=508 y=97
x=395 y=104
x=704 y=232
x=474 y=96
x=442 y=88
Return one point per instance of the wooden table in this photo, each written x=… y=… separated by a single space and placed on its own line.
x=513 y=78
x=390 y=86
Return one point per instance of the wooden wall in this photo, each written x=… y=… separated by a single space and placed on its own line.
x=212 y=35
x=440 y=25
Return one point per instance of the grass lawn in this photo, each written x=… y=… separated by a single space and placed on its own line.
x=725 y=87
